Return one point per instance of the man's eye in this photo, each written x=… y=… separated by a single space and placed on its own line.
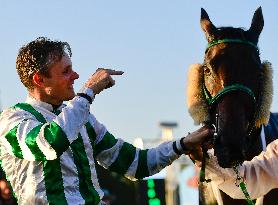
x=66 y=71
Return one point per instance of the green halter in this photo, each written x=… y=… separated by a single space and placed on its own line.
x=228 y=40
x=235 y=87
x=212 y=100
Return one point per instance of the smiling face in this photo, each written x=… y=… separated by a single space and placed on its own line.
x=58 y=84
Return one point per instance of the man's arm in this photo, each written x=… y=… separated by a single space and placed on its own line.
x=26 y=134
x=125 y=159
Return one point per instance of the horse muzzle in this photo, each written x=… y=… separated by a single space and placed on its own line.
x=226 y=157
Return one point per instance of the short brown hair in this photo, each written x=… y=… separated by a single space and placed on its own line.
x=38 y=56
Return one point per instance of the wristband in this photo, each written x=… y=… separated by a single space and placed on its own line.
x=185 y=149
x=176 y=150
x=87 y=97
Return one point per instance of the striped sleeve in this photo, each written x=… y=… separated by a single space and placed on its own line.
x=26 y=134
x=161 y=156
x=123 y=158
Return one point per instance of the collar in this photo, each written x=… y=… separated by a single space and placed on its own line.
x=35 y=102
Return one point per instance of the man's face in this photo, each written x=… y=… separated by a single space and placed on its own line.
x=59 y=86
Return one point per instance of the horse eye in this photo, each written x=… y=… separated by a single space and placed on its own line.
x=206 y=70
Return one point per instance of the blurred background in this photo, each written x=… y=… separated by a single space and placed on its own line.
x=153 y=42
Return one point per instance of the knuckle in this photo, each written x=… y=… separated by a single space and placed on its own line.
x=106 y=75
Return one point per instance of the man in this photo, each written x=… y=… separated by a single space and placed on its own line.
x=49 y=149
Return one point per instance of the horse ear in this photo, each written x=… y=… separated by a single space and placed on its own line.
x=207 y=26
x=257 y=24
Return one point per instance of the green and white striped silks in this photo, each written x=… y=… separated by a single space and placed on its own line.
x=50 y=158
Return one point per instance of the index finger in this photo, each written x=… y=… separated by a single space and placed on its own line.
x=114 y=72
x=110 y=71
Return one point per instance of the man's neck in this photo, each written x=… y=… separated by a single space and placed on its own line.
x=44 y=98
x=55 y=107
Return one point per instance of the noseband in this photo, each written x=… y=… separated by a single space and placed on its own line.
x=231 y=88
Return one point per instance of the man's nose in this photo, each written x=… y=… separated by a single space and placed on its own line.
x=75 y=75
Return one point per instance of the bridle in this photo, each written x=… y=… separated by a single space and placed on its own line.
x=229 y=40
x=231 y=88
x=212 y=100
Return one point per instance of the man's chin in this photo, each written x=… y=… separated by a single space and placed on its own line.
x=70 y=97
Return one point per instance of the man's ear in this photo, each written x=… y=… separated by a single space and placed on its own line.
x=38 y=79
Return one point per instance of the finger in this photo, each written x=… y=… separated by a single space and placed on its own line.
x=207 y=131
x=114 y=72
x=205 y=127
x=111 y=83
x=208 y=145
x=117 y=72
x=110 y=71
x=110 y=79
x=198 y=163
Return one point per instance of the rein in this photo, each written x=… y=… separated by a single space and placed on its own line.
x=240 y=183
x=213 y=100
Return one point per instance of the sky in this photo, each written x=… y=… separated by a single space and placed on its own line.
x=152 y=41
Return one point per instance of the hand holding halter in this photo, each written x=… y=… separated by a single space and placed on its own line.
x=205 y=154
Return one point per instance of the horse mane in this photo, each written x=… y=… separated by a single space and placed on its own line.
x=196 y=100
x=265 y=95
x=199 y=109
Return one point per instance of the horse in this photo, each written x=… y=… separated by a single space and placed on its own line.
x=232 y=90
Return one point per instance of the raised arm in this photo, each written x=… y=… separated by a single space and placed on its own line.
x=25 y=133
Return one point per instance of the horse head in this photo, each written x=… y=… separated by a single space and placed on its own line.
x=234 y=88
